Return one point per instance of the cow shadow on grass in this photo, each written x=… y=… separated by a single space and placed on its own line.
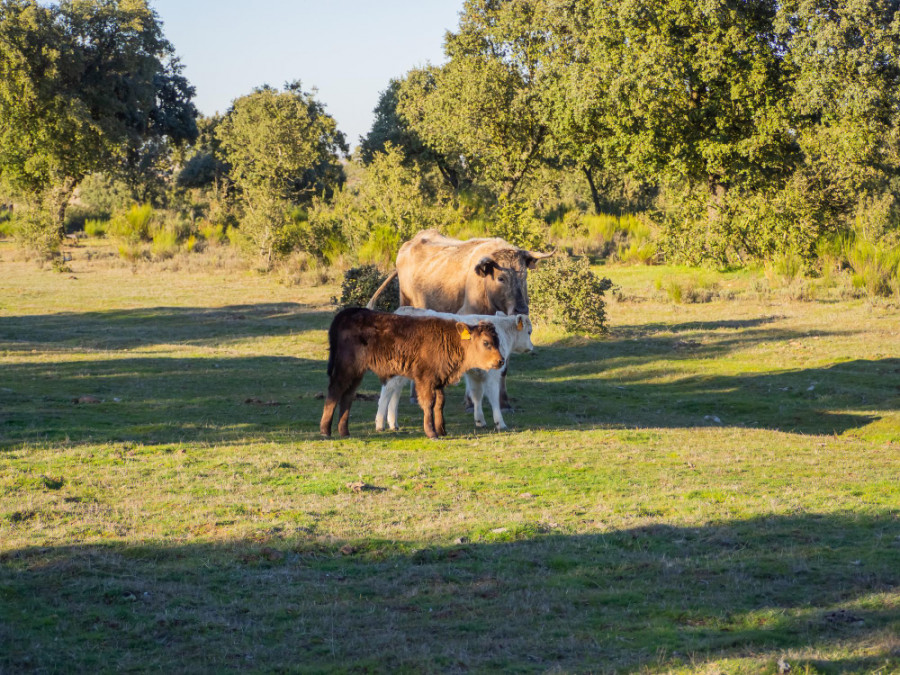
x=821 y=589
x=133 y=328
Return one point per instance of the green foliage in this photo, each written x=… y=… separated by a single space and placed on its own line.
x=360 y=284
x=485 y=104
x=134 y=225
x=381 y=247
x=212 y=233
x=165 y=243
x=283 y=144
x=626 y=238
x=876 y=266
x=96 y=228
x=515 y=222
x=322 y=238
x=35 y=233
x=283 y=149
x=564 y=291
x=83 y=85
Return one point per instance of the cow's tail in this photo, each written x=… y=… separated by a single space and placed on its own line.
x=391 y=277
x=332 y=343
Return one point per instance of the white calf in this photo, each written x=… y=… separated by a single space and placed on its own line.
x=515 y=338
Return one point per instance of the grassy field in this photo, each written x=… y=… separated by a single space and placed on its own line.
x=713 y=488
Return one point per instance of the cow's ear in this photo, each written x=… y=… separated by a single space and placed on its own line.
x=520 y=324
x=532 y=258
x=485 y=266
x=463 y=331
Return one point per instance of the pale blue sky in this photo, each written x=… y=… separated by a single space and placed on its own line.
x=348 y=49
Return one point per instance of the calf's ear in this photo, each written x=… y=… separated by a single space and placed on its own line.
x=463 y=331
x=485 y=266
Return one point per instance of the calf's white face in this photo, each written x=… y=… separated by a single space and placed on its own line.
x=522 y=335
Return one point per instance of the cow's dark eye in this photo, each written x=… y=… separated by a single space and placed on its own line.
x=487 y=344
x=501 y=278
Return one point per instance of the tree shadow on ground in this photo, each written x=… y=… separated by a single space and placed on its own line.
x=160 y=400
x=130 y=328
x=645 y=376
x=661 y=596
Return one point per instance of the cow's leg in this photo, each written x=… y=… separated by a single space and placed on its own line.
x=383 y=402
x=346 y=402
x=476 y=391
x=394 y=403
x=504 y=397
x=413 y=398
x=426 y=401
x=439 y=427
x=492 y=388
x=335 y=389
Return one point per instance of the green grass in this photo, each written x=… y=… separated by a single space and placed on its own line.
x=711 y=488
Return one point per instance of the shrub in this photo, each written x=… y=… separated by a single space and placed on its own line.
x=515 y=223
x=96 y=228
x=37 y=234
x=165 y=243
x=564 y=291
x=212 y=233
x=7 y=223
x=381 y=247
x=876 y=267
x=360 y=284
x=134 y=224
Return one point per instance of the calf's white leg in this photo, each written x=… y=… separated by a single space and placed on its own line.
x=475 y=388
x=492 y=389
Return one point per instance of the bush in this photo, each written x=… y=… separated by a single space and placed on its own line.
x=95 y=228
x=135 y=224
x=212 y=233
x=360 y=284
x=381 y=247
x=515 y=223
x=37 y=234
x=876 y=267
x=564 y=291
x=165 y=243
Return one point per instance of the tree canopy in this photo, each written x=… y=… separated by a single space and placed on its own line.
x=83 y=85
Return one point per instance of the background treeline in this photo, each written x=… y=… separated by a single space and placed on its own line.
x=712 y=131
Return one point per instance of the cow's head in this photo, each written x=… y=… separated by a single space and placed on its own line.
x=482 y=345
x=522 y=337
x=504 y=276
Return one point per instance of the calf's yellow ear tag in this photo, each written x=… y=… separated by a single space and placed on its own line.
x=520 y=324
x=465 y=334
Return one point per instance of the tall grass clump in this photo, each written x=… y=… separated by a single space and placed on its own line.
x=565 y=292
x=381 y=247
x=165 y=243
x=875 y=265
x=135 y=224
x=7 y=224
x=626 y=238
x=96 y=228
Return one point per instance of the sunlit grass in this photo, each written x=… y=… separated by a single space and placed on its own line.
x=711 y=488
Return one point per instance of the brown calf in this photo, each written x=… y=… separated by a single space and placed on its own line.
x=432 y=352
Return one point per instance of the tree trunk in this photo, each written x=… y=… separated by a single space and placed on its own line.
x=512 y=183
x=57 y=201
x=595 y=195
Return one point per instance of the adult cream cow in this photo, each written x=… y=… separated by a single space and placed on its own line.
x=476 y=276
